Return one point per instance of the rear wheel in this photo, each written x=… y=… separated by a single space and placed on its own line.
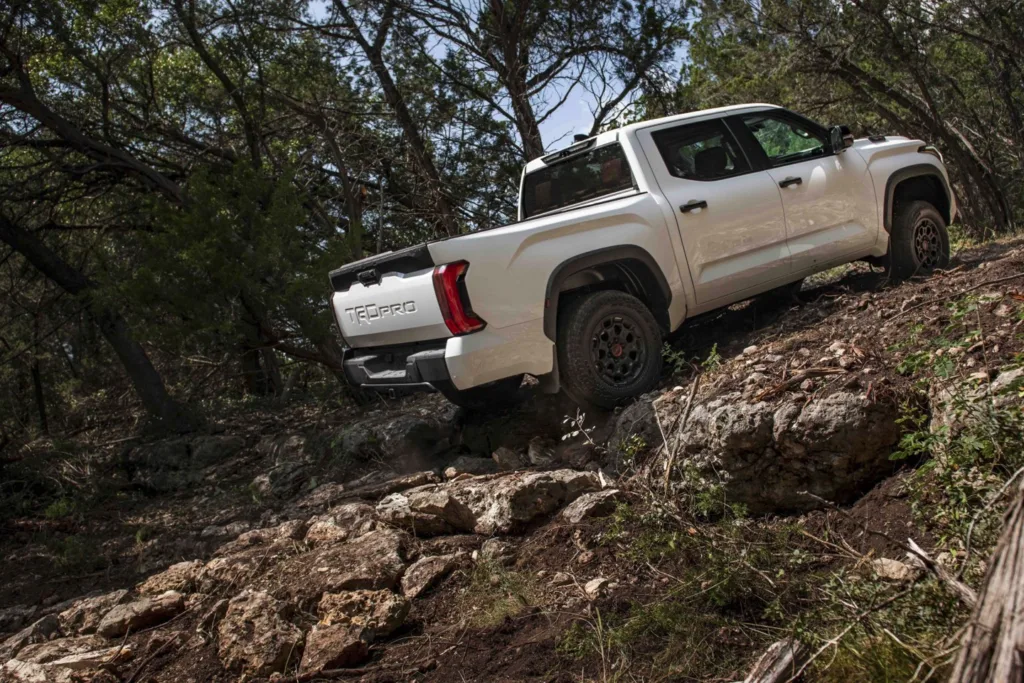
x=919 y=242
x=609 y=348
x=490 y=396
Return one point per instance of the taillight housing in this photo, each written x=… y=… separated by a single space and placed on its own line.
x=450 y=287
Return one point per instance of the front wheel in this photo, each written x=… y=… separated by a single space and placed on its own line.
x=919 y=242
x=609 y=348
x=491 y=396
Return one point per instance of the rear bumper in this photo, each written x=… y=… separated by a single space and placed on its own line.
x=408 y=367
x=461 y=362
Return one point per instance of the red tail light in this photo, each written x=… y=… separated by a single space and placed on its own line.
x=450 y=287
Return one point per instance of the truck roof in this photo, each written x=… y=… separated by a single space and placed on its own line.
x=609 y=135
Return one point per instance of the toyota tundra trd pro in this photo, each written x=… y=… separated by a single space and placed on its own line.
x=623 y=236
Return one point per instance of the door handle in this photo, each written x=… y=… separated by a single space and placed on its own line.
x=695 y=204
x=791 y=181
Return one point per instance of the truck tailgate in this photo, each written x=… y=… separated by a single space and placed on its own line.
x=402 y=308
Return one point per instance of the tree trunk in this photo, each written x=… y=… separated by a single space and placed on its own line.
x=992 y=647
x=779 y=663
x=148 y=384
x=37 y=384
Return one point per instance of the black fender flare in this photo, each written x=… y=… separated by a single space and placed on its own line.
x=591 y=259
x=906 y=173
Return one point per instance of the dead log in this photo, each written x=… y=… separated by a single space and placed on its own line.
x=780 y=662
x=992 y=646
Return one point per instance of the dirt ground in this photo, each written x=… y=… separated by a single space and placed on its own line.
x=49 y=555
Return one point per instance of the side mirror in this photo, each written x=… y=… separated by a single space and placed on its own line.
x=840 y=137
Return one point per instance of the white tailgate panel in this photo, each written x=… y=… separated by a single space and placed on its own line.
x=400 y=310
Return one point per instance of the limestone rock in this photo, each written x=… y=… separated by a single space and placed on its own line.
x=371 y=562
x=489 y=505
x=469 y=465
x=541 y=452
x=341 y=523
x=507 y=459
x=240 y=568
x=893 y=570
x=283 y=480
x=282 y=447
x=141 y=614
x=595 y=587
x=426 y=573
x=595 y=504
x=292 y=530
x=255 y=637
x=37 y=632
x=379 y=613
x=13 y=618
x=182 y=577
x=764 y=454
x=498 y=551
x=85 y=615
x=334 y=647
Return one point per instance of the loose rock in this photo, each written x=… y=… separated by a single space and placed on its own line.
x=596 y=504
x=595 y=587
x=472 y=466
x=255 y=638
x=498 y=504
x=507 y=459
x=37 y=632
x=182 y=577
x=379 y=613
x=141 y=614
x=334 y=647
x=85 y=615
x=426 y=573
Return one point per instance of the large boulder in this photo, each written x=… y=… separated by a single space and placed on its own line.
x=596 y=504
x=373 y=561
x=487 y=505
x=764 y=455
x=409 y=441
x=341 y=523
x=283 y=481
x=255 y=637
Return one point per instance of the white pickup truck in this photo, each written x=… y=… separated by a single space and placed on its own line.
x=623 y=236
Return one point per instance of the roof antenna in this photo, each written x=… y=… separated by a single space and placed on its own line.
x=579 y=137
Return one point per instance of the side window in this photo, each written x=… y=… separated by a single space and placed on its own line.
x=701 y=151
x=784 y=141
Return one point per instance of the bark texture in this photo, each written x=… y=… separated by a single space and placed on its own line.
x=992 y=648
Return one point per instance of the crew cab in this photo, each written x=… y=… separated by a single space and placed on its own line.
x=623 y=236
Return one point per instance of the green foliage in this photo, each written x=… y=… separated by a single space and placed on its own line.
x=713 y=361
x=495 y=593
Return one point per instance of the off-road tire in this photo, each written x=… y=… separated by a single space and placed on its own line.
x=919 y=242
x=491 y=396
x=594 y=327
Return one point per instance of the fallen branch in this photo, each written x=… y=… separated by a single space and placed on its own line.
x=993 y=642
x=964 y=592
x=779 y=661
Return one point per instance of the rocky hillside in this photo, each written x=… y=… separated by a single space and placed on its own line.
x=766 y=494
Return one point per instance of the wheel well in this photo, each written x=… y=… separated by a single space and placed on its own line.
x=629 y=275
x=929 y=188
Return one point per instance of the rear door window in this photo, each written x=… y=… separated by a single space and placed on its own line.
x=701 y=151
x=589 y=175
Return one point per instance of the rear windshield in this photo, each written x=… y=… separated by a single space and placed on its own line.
x=599 y=172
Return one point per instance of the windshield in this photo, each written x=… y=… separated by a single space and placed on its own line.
x=599 y=172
